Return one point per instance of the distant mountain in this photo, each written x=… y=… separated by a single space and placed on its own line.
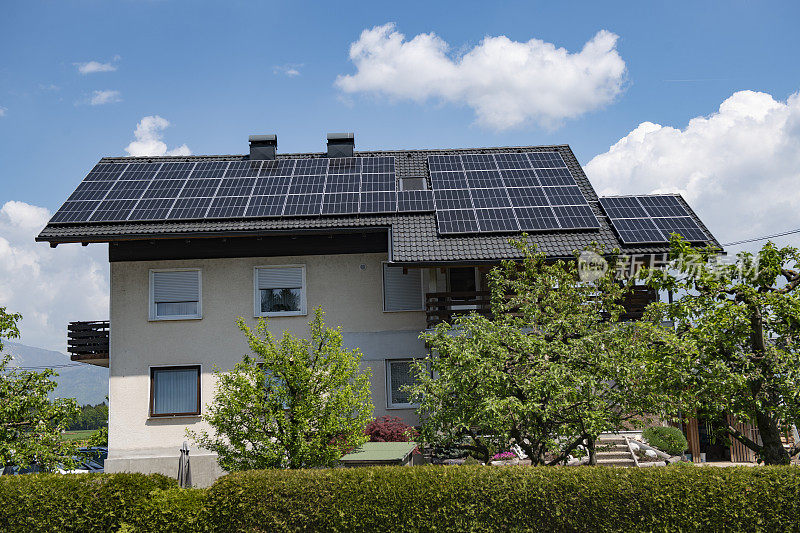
x=85 y=383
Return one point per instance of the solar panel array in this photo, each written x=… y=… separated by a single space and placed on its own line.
x=114 y=192
x=507 y=192
x=651 y=219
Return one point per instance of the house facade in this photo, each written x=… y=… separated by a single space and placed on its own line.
x=387 y=243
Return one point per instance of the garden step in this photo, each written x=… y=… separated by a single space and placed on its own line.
x=615 y=462
x=625 y=454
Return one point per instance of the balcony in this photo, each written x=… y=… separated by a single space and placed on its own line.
x=87 y=342
x=444 y=306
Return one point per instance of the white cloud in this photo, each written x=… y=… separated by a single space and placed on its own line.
x=148 y=141
x=290 y=69
x=105 y=97
x=3 y=111
x=50 y=287
x=507 y=83
x=739 y=167
x=91 y=67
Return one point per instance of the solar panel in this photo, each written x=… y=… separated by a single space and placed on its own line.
x=75 y=211
x=576 y=217
x=527 y=196
x=243 y=169
x=202 y=188
x=210 y=169
x=456 y=221
x=378 y=202
x=488 y=198
x=164 y=188
x=112 y=210
x=546 y=159
x=452 y=199
x=512 y=161
x=127 y=190
x=444 y=163
x=303 y=204
x=496 y=220
x=651 y=219
x=236 y=187
x=91 y=190
x=478 y=162
x=311 y=167
x=345 y=165
x=415 y=201
x=140 y=171
x=227 y=207
x=105 y=172
x=377 y=165
x=175 y=171
x=564 y=196
x=378 y=182
x=554 y=176
x=448 y=180
x=277 y=167
x=520 y=178
x=536 y=218
x=187 y=208
x=307 y=184
x=265 y=206
x=272 y=186
x=152 y=209
x=342 y=183
x=344 y=203
x=484 y=180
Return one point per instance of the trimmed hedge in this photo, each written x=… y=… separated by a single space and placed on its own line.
x=677 y=498
x=457 y=498
x=666 y=439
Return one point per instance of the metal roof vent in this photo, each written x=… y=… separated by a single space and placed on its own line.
x=263 y=146
x=341 y=144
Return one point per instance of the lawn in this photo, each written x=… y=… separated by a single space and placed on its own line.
x=77 y=434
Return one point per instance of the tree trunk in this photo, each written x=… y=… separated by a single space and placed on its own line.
x=591 y=446
x=772 y=451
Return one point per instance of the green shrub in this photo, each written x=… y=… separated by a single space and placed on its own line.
x=666 y=439
x=512 y=498
x=75 y=502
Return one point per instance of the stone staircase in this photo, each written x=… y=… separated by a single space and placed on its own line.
x=612 y=450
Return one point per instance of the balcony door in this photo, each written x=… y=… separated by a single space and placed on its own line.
x=463 y=280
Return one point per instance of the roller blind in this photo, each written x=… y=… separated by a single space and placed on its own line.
x=175 y=390
x=280 y=278
x=176 y=294
x=402 y=292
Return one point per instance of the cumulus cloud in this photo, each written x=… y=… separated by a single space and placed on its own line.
x=3 y=111
x=507 y=83
x=91 y=67
x=50 y=287
x=105 y=97
x=738 y=167
x=148 y=141
x=290 y=69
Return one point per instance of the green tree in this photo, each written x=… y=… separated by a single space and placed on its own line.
x=30 y=423
x=553 y=367
x=296 y=403
x=742 y=318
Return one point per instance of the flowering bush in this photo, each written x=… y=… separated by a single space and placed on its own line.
x=390 y=429
x=504 y=456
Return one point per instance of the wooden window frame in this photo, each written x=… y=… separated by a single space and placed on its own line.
x=153 y=370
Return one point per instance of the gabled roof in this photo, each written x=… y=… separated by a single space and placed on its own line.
x=414 y=236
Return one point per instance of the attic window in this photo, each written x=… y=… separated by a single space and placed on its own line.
x=416 y=183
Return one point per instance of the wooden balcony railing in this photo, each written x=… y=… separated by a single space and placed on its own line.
x=443 y=306
x=87 y=340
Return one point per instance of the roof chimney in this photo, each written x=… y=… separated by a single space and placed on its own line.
x=263 y=146
x=341 y=144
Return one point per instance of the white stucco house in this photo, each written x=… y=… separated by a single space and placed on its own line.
x=388 y=243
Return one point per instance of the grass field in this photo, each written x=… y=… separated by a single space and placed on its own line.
x=78 y=434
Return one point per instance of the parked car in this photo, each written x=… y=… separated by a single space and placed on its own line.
x=88 y=460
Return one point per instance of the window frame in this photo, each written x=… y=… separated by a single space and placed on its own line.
x=154 y=369
x=153 y=308
x=257 y=313
x=388 y=370
x=424 y=183
x=421 y=290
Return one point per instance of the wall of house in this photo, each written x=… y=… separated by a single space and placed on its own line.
x=348 y=287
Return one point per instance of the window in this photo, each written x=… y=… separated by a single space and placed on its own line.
x=175 y=390
x=175 y=294
x=399 y=374
x=413 y=184
x=402 y=291
x=280 y=290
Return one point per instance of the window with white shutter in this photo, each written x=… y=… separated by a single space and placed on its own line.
x=175 y=294
x=280 y=290
x=402 y=291
x=399 y=375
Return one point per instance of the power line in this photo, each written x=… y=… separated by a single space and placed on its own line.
x=790 y=232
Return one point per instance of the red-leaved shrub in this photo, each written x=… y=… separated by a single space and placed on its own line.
x=390 y=429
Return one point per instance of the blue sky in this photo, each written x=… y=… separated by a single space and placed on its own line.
x=219 y=71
